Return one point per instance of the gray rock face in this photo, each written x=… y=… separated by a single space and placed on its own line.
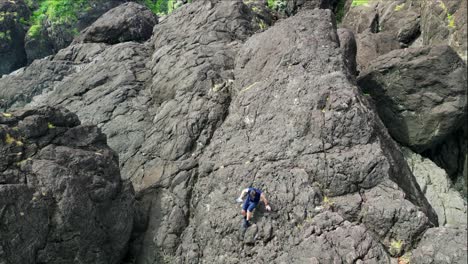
x=442 y=245
x=382 y=26
x=348 y=46
x=61 y=197
x=452 y=156
x=318 y=136
x=293 y=6
x=445 y=22
x=420 y=93
x=449 y=205
x=127 y=22
x=12 y=54
x=205 y=109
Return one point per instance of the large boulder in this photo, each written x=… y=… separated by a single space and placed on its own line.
x=158 y=123
x=382 y=26
x=12 y=32
x=445 y=22
x=435 y=183
x=205 y=109
x=298 y=129
x=348 y=46
x=442 y=245
x=61 y=196
x=127 y=22
x=293 y=6
x=420 y=94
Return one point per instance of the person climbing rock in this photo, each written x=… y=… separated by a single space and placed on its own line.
x=254 y=196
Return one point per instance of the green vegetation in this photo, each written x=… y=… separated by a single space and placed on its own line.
x=5 y=35
x=66 y=12
x=450 y=18
x=277 y=5
x=50 y=125
x=58 y=12
x=340 y=10
x=399 y=7
x=160 y=7
x=396 y=247
x=359 y=2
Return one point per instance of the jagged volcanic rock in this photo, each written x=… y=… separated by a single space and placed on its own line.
x=442 y=245
x=420 y=93
x=127 y=22
x=207 y=107
x=296 y=121
x=61 y=196
x=12 y=54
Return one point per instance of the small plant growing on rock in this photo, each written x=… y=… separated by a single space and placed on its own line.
x=359 y=2
x=396 y=247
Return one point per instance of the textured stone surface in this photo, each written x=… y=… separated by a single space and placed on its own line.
x=348 y=46
x=435 y=183
x=12 y=54
x=442 y=245
x=420 y=94
x=318 y=136
x=207 y=107
x=61 y=196
x=127 y=22
x=445 y=22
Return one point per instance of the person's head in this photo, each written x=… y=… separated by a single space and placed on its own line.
x=252 y=194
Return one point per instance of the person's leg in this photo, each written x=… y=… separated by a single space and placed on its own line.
x=245 y=207
x=250 y=210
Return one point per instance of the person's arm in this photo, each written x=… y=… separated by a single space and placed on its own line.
x=241 y=197
x=265 y=201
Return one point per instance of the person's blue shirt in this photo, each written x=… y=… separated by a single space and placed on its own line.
x=258 y=193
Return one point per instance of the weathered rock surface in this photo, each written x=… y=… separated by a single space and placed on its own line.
x=205 y=109
x=448 y=203
x=445 y=22
x=420 y=94
x=382 y=26
x=127 y=22
x=12 y=54
x=319 y=134
x=348 y=46
x=61 y=196
x=452 y=156
x=293 y=6
x=442 y=245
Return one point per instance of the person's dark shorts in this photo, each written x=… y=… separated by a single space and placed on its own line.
x=249 y=206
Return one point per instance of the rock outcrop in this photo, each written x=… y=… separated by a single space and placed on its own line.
x=445 y=22
x=12 y=32
x=420 y=93
x=217 y=101
x=442 y=245
x=61 y=196
x=127 y=22
x=435 y=183
x=295 y=122
x=382 y=26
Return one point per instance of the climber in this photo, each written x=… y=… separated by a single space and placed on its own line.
x=253 y=198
